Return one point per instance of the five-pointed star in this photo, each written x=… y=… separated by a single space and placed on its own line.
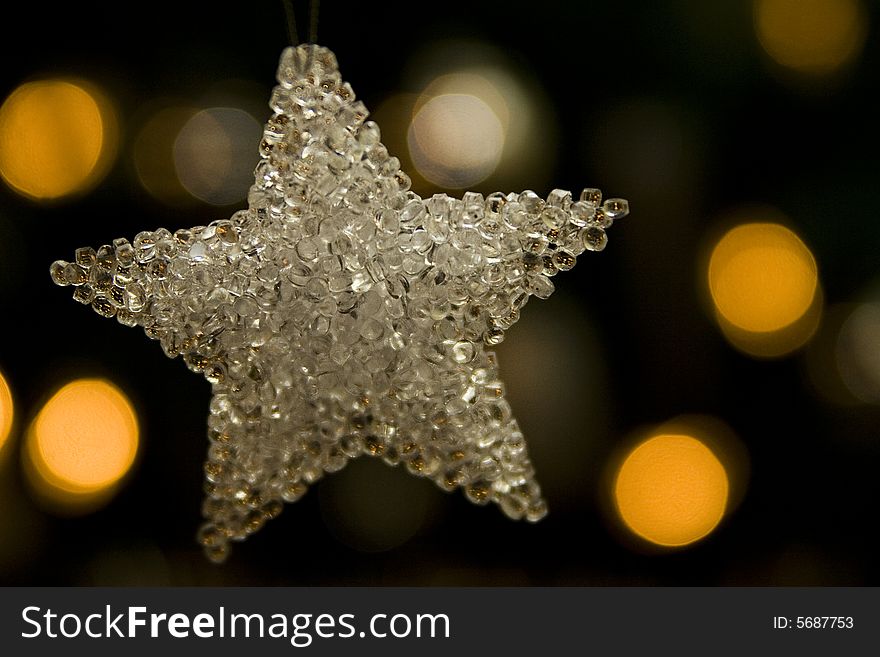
x=341 y=314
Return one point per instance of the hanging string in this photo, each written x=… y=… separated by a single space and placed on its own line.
x=313 y=21
x=292 y=31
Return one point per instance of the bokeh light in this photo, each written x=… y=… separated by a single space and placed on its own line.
x=671 y=490
x=764 y=286
x=762 y=277
x=812 y=37
x=480 y=119
x=7 y=411
x=858 y=353
x=57 y=138
x=821 y=362
x=492 y=87
x=153 y=154
x=81 y=443
x=372 y=508
x=215 y=154
x=776 y=344
x=456 y=140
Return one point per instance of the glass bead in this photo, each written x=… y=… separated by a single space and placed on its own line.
x=85 y=257
x=554 y=217
x=559 y=198
x=582 y=213
x=105 y=257
x=563 y=260
x=463 y=352
x=540 y=286
x=591 y=196
x=595 y=238
x=74 y=274
x=615 y=208
x=84 y=294
x=56 y=271
x=124 y=253
x=102 y=306
x=530 y=202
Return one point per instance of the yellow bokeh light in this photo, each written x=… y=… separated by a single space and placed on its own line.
x=57 y=137
x=7 y=410
x=814 y=37
x=762 y=277
x=456 y=140
x=775 y=344
x=671 y=490
x=82 y=442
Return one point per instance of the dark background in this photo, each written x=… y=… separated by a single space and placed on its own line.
x=626 y=341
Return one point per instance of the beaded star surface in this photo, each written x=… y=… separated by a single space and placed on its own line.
x=341 y=314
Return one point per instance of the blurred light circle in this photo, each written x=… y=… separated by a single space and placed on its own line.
x=762 y=277
x=83 y=440
x=479 y=86
x=858 y=353
x=814 y=37
x=824 y=359
x=7 y=410
x=455 y=140
x=57 y=137
x=513 y=93
x=671 y=490
x=372 y=508
x=153 y=154
x=215 y=153
x=776 y=344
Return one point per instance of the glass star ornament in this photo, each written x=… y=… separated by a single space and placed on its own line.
x=341 y=314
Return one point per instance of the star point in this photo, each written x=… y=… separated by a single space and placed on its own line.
x=340 y=314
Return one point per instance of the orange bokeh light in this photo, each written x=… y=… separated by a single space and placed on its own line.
x=764 y=287
x=814 y=37
x=7 y=410
x=83 y=441
x=762 y=277
x=671 y=490
x=57 y=138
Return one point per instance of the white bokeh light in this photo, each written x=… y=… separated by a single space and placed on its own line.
x=214 y=154
x=456 y=140
x=508 y=130
x=858 y=359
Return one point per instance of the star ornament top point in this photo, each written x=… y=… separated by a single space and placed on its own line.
x=341 y=314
